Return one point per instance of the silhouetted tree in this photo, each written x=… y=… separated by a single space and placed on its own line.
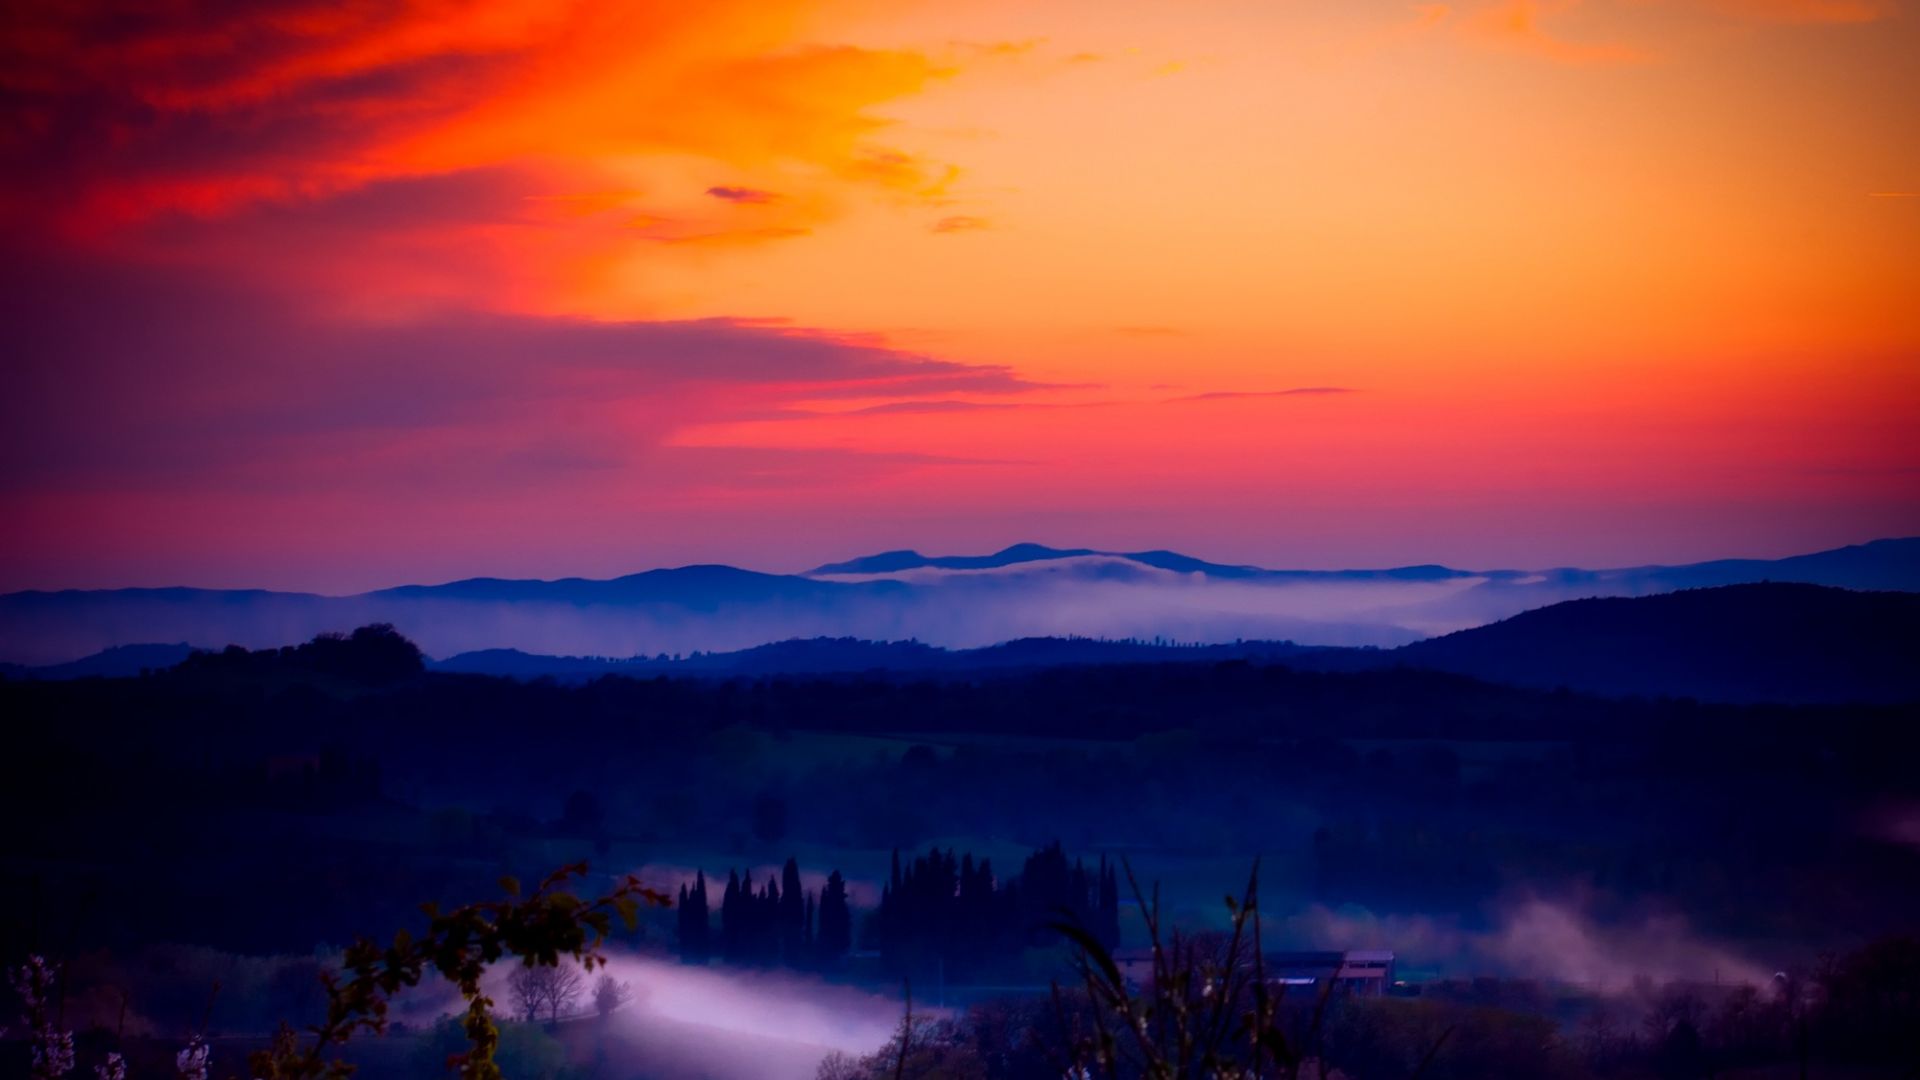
x=373 y=655
x=792 y=916
x=766 y=924
x=564 y=990
x=836 y=921
x=734 y=916
x=939 y=909
x=527 y=987
x=696 y=935
x=609 y=994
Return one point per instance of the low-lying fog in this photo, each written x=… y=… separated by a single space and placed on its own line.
x=954 y=610
x=725 y=1024
x=1553 y=941
x=720 y=1023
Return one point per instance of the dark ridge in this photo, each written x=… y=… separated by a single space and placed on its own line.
x=1772 y=641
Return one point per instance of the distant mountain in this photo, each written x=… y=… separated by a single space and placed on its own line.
x=889 y=562
x=956 y=602
x=1879 y=565
x=680 y=608
x=117 y=662
x=896 y=562
x=828 y=656
x=701 y=587
x=1768 y=642
x=1773 y=642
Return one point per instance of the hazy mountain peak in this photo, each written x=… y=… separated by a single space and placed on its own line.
x=884 y=562
x=893 y=562
x=1025 y=589
x=1028 y=552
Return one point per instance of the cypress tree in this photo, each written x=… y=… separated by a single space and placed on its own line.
x=793 y=915
x=807 y=942
x=697 y=919
x=683 y=926
x=767 y=924
x=733 y=920
x=836 y=921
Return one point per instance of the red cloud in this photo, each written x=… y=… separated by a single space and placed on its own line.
x=250 y=406
x=108 y=122
x=741 y=194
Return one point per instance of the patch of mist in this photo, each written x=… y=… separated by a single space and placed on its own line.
x=1553 y=941
x=956 y=609
x=720 y=1023
x=1077 y=565
x=783 y=1006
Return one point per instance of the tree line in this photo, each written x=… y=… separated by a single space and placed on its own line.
x=953 y=914
x=936 y=909
x=779 y=924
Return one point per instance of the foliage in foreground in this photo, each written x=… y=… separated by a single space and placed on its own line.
x=1857 y=1014
x=537 y=929
x=1205 y=1010
x=459 y=945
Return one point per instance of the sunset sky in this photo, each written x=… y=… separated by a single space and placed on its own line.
x=331 y=297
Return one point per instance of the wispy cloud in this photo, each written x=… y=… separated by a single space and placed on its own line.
x=998 y=48
x=1520 y=25
x=894 y=408
x=1299 y=391
x=729 y=193
x=278 y=402
x=961 y=223
x=114 y=126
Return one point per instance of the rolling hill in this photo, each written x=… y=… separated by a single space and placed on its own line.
x=1772 y=641
x=952 y=602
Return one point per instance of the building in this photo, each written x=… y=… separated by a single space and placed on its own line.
x=1367 y=972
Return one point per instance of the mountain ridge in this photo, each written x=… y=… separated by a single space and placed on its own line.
x=1022 y=591
x=1773 y=642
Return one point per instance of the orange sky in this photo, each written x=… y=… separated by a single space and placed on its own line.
x=1601 y=282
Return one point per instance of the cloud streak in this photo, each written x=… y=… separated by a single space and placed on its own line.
x=731 y=194
x=958 y=223
x=1231 y=395
x=299 y=425
x=117 y=127
x=1520 y=26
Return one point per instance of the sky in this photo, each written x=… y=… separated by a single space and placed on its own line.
x=333 y=297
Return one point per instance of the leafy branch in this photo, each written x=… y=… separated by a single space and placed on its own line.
x=1208 y=1009
x=538 y=928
